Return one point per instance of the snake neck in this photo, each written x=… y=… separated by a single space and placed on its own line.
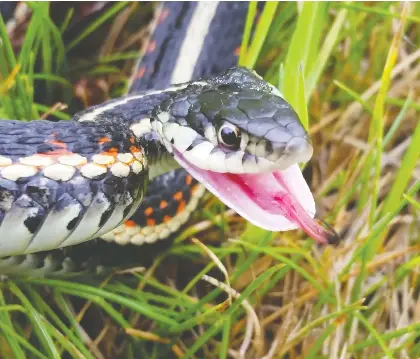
x=159 y=160
x=135 y=113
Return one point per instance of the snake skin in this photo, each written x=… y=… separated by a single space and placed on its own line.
x=50 y=188
x=156 y=67
x=153 y=71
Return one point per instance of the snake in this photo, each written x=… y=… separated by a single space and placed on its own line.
x=131 y=170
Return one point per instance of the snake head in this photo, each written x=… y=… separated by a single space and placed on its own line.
x=237 y=135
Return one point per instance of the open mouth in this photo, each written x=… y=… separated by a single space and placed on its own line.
x=275 y=201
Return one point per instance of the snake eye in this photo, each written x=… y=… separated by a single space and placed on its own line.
x=229 y=136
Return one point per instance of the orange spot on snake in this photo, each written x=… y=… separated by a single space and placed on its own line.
x=181 y=207
x=58 y=152
x=152 y=46
x=163 y=15
x=58 y=143
x=141 y=72
x=188 y=179
x=130 y=223
x=134 y=149
x=61 y=150
x=61 y=145
x=195 y=188
x=177 y=196
x=166 y=219
x=113 y=151
x=163 y=204
x=103 y=140
x=150 y=222
x=132 y=141
x=237 y=51
x=148 y=211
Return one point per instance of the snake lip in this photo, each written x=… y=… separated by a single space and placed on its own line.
x=277 y=201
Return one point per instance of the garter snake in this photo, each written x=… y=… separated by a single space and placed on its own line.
x=112 y=171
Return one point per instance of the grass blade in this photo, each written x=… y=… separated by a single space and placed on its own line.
x=325 y=52
x=375 y=334
x=303 y=49
x=404 y=174
x=252 y=11
x=395 y=124
x=260 y=33
x=36 y=320
x=376 y=127
x=97 y=23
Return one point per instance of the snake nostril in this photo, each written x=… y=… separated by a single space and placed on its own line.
x=300 y=148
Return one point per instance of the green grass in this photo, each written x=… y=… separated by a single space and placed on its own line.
x=352 y=73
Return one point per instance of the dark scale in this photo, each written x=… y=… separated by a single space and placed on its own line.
x=82 y=189
x=34 y=222
x=105 y=216
x=74 y=137
x=73 y=223
x=9 y=191
x=199 y=121
x=164 y=188
x=35 y=198
x=45 y=191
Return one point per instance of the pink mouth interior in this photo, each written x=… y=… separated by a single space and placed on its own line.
x=275 y=201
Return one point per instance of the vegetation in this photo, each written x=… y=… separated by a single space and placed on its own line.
x=352 y=72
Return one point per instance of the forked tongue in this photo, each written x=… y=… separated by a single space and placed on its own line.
x=273 y=194
x=276 y=201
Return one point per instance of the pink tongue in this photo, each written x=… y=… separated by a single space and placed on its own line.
x=264 y=189
x=276 y=201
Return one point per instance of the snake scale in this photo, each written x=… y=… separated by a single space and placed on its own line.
x=132 y=169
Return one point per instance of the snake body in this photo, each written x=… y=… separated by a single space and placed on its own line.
x=65 y=183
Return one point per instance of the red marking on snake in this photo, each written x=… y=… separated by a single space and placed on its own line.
x=188 y=179
x=113 y=151
x=150 y=222
x=177 y=196
x=103 y=140
x=148 y=211
x=181 y=207
x=163 y=15
x=58 y=152
x=237 y=51
x=141 y=72
x=152 y=46
x=163 y=204
x=195 y=188
x=130 y=223
x=134 y=149
x=166 y=219
x=61 y=150
x=58 y=143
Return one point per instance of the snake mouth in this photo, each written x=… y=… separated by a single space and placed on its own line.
x=277 y=201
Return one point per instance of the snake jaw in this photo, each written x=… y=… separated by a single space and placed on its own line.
x=277 y=201
x=256 y=173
